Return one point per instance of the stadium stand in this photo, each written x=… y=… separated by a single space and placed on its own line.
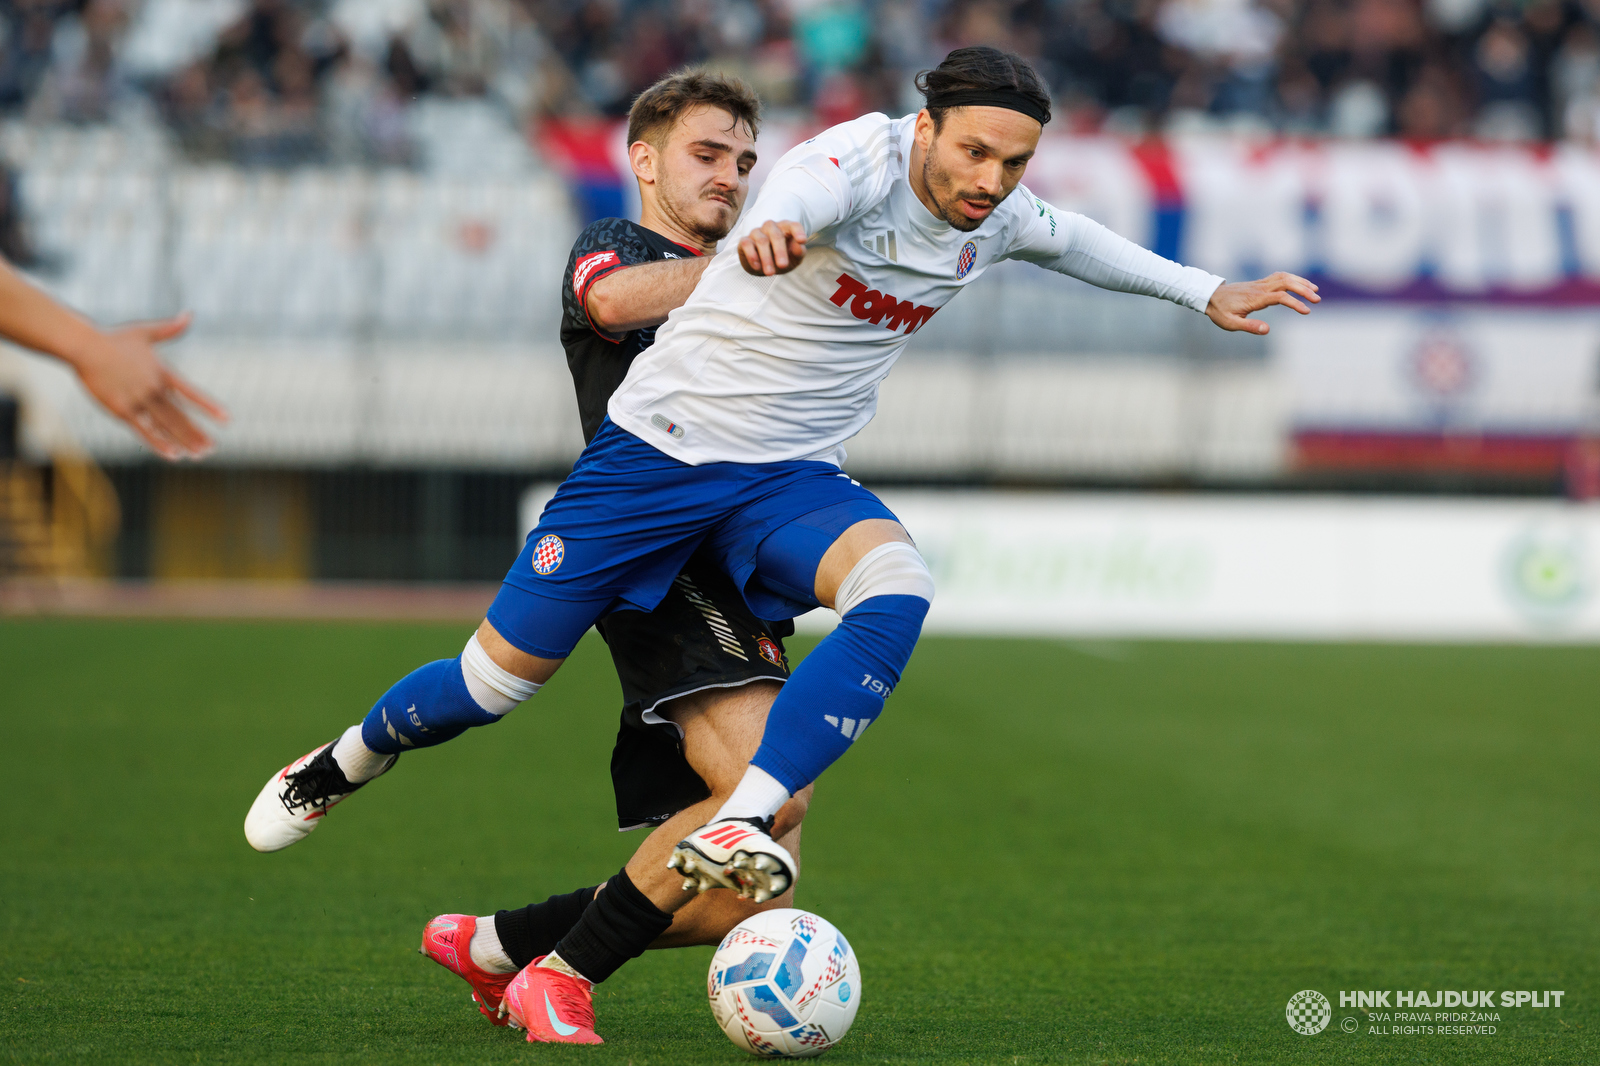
x=367 y=204
x=281 y=82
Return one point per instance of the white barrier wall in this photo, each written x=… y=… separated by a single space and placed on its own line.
x=484 y=406
x=1271 y=568
x=326 y=403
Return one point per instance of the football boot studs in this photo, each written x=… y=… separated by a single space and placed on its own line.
x=736 y=853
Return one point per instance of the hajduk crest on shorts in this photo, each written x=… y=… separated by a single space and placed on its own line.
x=547 y=554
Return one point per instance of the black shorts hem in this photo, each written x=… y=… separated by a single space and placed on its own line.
x=678 y=694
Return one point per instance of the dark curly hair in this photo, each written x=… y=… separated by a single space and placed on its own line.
x=982 y=68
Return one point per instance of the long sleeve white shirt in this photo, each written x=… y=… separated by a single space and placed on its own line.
x=759 y=370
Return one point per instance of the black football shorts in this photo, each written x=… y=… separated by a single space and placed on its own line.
x=701 y=636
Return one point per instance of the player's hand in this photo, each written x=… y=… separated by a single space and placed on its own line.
x=122 y=370
x=1233 y=302
x=772 y=248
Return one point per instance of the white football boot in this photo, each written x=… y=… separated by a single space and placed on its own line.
x=293 y=803
x=736 y=853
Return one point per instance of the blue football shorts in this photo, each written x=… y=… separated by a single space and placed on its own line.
x=626 y=520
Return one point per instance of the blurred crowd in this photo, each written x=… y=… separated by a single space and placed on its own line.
x=278 y=81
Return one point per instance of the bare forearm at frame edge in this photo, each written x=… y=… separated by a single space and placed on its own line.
x=29 y=317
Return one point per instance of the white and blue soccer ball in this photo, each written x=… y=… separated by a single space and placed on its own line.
x=784 y=984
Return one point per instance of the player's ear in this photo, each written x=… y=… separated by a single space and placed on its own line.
x=642 y=157
x=923 y=131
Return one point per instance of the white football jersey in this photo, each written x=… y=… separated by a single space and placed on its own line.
x=760 y=370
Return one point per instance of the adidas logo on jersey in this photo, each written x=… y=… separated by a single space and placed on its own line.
x=876 y=307
x=884 y=244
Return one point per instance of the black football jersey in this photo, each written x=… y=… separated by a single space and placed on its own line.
x=600 y=360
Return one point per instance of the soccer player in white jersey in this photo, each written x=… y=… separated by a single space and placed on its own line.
x=726 y=436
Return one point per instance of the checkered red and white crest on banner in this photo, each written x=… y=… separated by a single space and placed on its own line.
x=548 y=553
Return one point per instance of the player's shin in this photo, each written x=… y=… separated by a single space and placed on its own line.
x=826 y=705
x=530 y=932
x=835 y=694
x=838 y=691
x=428 y=706
x=553 y=998
x=618 y=925
x=442 y=700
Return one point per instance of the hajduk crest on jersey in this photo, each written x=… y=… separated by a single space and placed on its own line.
x=969 y=255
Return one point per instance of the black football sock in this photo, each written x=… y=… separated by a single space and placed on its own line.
x=619 y=925
x=529 y=932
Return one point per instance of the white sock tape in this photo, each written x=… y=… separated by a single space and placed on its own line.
x=492 y=681
x=894 y=569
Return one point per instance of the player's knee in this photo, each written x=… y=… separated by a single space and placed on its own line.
x=893 y=569
x=492 y=687
x=512 y=659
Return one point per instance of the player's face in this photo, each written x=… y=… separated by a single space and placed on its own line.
x=705 y=171
x=974 y=160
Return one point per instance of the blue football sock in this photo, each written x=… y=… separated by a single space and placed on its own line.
x=428 y=706
x=838 y=690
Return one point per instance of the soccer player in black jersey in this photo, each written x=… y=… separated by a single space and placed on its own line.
x=700 y=671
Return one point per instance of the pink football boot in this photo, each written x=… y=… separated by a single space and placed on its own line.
x=555 y=1007
x=447 y=941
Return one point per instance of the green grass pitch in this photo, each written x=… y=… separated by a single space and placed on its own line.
x=1045 y=852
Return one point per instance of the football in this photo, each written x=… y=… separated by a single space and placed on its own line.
x=784 y=984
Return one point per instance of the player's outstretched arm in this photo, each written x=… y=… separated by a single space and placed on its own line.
x=119 y=367
x=772 y=248
x=1232 y=302
x=643 y=295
